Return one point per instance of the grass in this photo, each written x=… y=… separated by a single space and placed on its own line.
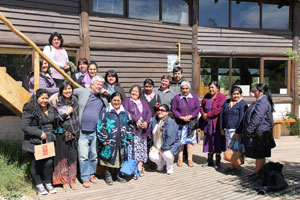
x=15 y=180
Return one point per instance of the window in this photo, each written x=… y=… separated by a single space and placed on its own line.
x=214 y=14
x=247 y=72
x=175 y=11
x=170 y=11
x=115 y=7
x=144 y=9
x=268 y=14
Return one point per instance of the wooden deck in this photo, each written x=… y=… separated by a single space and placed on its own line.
x=198 y=182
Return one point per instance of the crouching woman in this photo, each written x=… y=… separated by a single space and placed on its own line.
x=114 y=134
x=166 y=144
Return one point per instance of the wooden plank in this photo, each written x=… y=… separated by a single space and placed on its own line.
x=12 y=95
x=241 y=43
x=236 y=39
x=135 y=54
x=142 y=70
x=240 y=35
x=36 y=73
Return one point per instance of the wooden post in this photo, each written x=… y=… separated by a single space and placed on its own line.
x=36 y=70
x=295 y=65
x=178 y=44
x=84 y=51
x=195 y=56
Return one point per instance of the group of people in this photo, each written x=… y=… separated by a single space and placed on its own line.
x=97 y=124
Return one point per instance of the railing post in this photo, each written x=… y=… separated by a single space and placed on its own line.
x=36 y=70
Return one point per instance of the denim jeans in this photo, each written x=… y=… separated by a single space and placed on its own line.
x=87 y=155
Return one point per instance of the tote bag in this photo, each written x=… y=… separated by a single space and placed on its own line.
x=43 y=151
x=129 y=167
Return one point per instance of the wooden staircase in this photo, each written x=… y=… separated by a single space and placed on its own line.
x=12 y=94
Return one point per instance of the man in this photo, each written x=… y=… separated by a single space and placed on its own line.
x=91 y=101
x=176 y=80
x=166 y=96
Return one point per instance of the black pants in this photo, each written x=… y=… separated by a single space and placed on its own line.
x=41 y=167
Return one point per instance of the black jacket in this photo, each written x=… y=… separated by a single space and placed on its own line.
x=33 y=126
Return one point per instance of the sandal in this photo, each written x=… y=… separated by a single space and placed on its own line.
x=142 y=172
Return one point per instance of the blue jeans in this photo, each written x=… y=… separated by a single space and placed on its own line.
x=87 y=155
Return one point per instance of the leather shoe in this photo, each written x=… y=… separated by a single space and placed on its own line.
x=179 y=163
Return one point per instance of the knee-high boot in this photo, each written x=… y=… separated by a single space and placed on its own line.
x=218 y=161
x=108 y=177
x=210 y=161
x=119 y=178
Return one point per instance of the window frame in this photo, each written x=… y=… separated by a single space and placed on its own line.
x=260 y=2
x=261 y=69
x=126 y=13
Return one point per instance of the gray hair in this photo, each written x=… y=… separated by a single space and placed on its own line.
x=185 y=83
x=97 y=78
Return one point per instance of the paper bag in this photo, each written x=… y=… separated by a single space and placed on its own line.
x=43 y=151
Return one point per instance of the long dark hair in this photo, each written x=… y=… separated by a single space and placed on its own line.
x=261 y=87
x=113 y=73
x=35 y=107
x=216 y=83
x=41 y=63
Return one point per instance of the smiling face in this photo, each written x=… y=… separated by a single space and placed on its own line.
x=67 y=92
x=134 y=94
x=185 y=90
x=116 y=102
x=92 y=70
x=213 y=90
x=162 y=113
x=82 y=67
x=56 y=42
x=96 y=87
x=165 y=84
x=148 y=88
x=236 y=95
x=111 y=79
x=44 y=67
x=43 y=100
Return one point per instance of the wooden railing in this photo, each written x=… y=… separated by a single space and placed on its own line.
x=37 y=53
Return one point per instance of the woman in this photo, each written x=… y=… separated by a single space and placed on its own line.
x=257 y=127
x=86 y=79
x=231 y=118
x=166 y=143
x=150 y=96
x=185 y=107
x=58 y=55
x=213 y=141
x=46 y=81
x=67 y=132
x=81 y=68
x=37 y=125
x=112 y=83
x=114 y=133
x=141 y=115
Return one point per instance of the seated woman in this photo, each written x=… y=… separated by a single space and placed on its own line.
x=46 y=81
x=67 y=132
x=112 y=83
x=149 y=95
x=86 y=80
x=81 y=68
x=37 y=125
x=114 y=134
x=166 y=144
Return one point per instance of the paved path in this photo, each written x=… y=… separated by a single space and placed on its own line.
x=198 y=182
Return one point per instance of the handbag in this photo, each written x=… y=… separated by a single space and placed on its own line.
x=129 y=167
x=43 y=151
x=233 y=156
x=265 y=140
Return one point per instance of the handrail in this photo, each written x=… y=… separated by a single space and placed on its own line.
x=36 y=48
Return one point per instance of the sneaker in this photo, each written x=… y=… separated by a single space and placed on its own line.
x=93 y=179
x=40 y=189
x=50 y=188
x=86 y=184
x=160 y=169
x=170 y=171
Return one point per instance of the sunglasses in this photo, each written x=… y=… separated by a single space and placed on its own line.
x=162 y=110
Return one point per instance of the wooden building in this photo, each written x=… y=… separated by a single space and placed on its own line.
x=233 y=41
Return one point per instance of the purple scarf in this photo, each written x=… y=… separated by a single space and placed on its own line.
x=87 y=79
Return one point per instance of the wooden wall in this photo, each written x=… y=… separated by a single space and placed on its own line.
x=37 y=19
x=143 y=48
x=255 y=41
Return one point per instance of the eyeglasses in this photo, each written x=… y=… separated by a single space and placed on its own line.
x=162 y=110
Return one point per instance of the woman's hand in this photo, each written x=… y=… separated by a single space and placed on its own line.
x=222 y=132
x=235 y=136
x=66 y=67
x=144 y=125
x=139 y=124
x=54 y=100
x=189 y=117
x=87 y=85
x=69 y=110
x=44 y=136
x=205 y=117
x=128 y=142
x=104 y=143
